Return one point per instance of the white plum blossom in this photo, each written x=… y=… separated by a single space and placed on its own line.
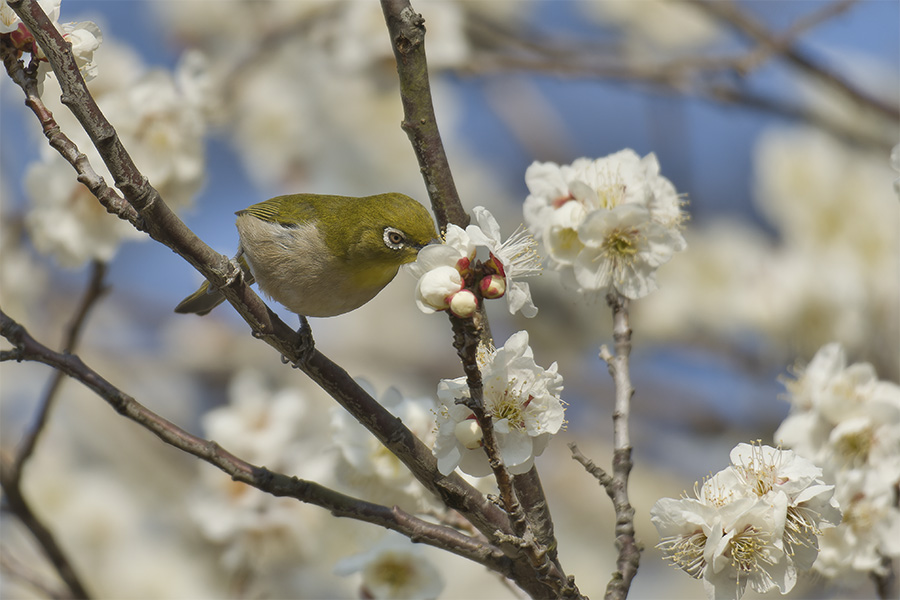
x=750 y=551
x=450 y=277
x=608 y=224
x=9 y=20
x=85 y=37
x=848 y=421
x=514 y=258
x=259 y=423
x=870 y=530
x=163 y=126
x=757 y=522
x=441 y=269
x=523 y=399
x=394 y=568
x=365 y=462
x=265 y=426
x=622 y=248
x=766 y=472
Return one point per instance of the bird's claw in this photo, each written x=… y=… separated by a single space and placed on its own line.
x=305 y=345
x=236 y=272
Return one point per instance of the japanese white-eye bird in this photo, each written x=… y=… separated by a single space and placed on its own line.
x=322 y=255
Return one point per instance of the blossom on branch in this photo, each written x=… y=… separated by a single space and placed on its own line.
x=85 y=37
x=608 y=224
x=523 y=400
x=9 y=20
x=848 y=421
x=367 y=466
x=452 y=278
x=511 y=260
x=756 y=522
x=394 y=568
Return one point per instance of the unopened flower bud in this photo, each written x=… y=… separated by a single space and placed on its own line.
x=468 y=432
x=463 y=303
x=493 y=286
x=464 y=265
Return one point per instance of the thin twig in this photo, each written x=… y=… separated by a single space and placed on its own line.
x=14 y=469
x=617 y=484
x=16 y=503
x=95 y=289
x=15 y=569
x=732 y=15
x=26 y=79
x=886 y=581
x=407 y=31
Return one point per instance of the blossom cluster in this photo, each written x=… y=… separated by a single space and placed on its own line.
x=608 y=224
x=452 y=278
x=84 y=36
x=394 y=568
x=756 y=522
x=523 y=400
x=159 y=116
x=828 y=263
x=366 y=466
x=848 y=421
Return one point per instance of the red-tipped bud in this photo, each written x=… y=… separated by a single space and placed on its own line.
x=493 y=286
x=464 y=265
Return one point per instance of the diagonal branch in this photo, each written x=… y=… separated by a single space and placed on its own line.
x=15 y=502
x=341 y=505
x=94 y=291
x=731 y=14
x=407 y=32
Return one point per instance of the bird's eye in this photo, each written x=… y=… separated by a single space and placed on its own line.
x=394 y=238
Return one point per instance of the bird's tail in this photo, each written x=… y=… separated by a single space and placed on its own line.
x=206 y=298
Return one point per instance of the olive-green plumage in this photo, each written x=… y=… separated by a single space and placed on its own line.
x=321 y=255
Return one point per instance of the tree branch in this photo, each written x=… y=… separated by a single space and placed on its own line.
x=616 y=485
x=731 y=14
x=14 y=468
x=92 y=293
x=277 y=484
x=407 y=31
x=16 y=503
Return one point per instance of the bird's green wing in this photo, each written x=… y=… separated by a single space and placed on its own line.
x=289 y=210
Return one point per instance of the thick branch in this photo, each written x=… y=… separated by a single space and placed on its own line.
x=407 y=32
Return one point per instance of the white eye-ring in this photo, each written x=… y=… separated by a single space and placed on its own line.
x=394 y=238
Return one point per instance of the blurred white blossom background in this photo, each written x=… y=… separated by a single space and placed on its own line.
x=792 y=243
